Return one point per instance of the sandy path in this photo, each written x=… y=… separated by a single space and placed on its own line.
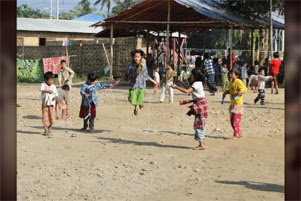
x=123 y=160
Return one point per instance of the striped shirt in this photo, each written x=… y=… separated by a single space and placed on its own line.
x=209 y=66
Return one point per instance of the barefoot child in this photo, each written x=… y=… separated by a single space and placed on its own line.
x=49 y=95
x=199 y=106
x=261 y=85
x=65 y=76
x=62 y=99
x=138 y=74
x=225 y=80
x=166 y=83
x=157 y=79
x=236 y=109
x=89 y=101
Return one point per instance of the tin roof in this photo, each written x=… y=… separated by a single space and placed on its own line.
x=200 y=14
x=52 y=25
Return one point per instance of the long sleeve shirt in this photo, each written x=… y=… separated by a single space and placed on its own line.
x=208 y=64
x=47 y=98
x=262 y=80
x=137 y=81
x=64 y=75
x=91 y=90
x=236 y=86
x=244 y=72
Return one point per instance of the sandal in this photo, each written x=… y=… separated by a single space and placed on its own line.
x=67 y=118
x=135 y=112
x=140 y=107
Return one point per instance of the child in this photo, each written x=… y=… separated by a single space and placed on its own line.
x=62 y=99
x=274 y=66
x=65 y=76
x=237 y=88
x=157 y=79
x=49 y=95
x=244 y=72
x=137 y=72
x=256 y=67
x=199 y=107
x=253 y=81
x=261 y=85
x=89 y=101
x=167 y=82
x=225 y=80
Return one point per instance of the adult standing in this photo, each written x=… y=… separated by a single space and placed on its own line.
x=208 y=65
x=65 y=76
x=228 y=60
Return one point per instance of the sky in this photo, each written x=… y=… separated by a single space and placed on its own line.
x=64 y=5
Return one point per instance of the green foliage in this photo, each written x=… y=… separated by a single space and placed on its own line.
x=104 y=3
x=252 y=9
x=121 y=6
x=27 y=12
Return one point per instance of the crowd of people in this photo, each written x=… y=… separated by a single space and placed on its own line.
x=233 y=79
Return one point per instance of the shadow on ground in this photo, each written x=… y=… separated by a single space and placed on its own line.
x=259 y=186
x=154 y=144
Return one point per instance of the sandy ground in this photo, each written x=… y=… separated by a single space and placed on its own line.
x=149 y=157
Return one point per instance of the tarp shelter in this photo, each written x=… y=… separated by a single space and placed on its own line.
x=182 y=16
x=89 y=18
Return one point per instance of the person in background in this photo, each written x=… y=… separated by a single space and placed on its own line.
x=244 y=72
x=261 y=85
x=166 y=83
x=218 y=72
x=274 y=70
x=65 y=76
x=208 y=65
x=157 y=79
x=228 y=59
x=61 y=100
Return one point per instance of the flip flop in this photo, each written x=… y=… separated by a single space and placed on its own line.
x=67 y=118
x=136 y=112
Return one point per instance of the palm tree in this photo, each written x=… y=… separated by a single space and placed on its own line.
x=82 y=8
x=104 y=3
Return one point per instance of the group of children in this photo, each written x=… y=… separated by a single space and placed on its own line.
x=138 y=75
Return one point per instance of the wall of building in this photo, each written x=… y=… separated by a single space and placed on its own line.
x=90 y=57
x=31 y=38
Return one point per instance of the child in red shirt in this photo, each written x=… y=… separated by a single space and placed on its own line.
x=274 y=66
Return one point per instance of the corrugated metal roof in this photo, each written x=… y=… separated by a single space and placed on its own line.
x=206 y=14
x=52 y=25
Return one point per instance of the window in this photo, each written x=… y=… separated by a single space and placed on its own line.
x=42 y=42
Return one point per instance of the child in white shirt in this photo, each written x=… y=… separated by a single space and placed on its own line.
x=261 y=85
x=49 y=95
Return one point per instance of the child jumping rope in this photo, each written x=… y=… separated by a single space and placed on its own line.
x=199 y=106
x=89 y=101
x=236 y=109
x=137 y=73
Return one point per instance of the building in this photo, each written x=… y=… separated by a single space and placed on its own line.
x=37 y=32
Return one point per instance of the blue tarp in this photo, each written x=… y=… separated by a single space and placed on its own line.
x=89 y=18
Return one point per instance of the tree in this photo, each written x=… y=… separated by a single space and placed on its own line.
x=103 y=3
x=27 y=12
x=121 y=6
x=83 y=8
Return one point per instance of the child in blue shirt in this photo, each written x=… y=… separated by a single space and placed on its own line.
x=244 y=72
x=89 y=101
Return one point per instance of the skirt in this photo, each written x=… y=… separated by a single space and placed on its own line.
x=48 y=115
x=62 y=105
x=84 y=111
x=136 y=96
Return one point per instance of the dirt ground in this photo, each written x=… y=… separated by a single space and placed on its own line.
x=149 y=156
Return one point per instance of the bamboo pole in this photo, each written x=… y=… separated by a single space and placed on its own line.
x=163 y=22
x=230 y=44
x=167 y=31
x=179 y=52
x=111 y=51
x=147 y=45
x=271 y=31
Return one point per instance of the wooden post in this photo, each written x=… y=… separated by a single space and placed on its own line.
x=205 y=40
x=158 y=48
x=271 y=31
x=167 y=31
x=179 y=51
x=112 y=53
x=230 y=45
x=252 y=47
x=147 y=43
